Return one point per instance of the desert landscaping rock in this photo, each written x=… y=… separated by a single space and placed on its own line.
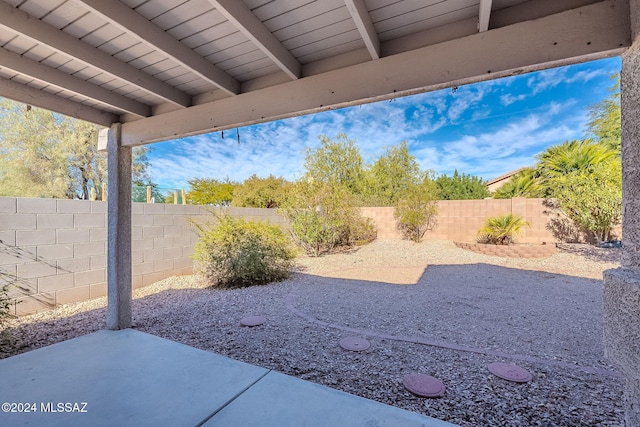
x=547 y=311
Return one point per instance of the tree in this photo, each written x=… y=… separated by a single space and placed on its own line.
x=43 y=154
x=86 y=165
x=461 y=187
x=523 y=184
x=585 y=178
x=593 y=199
x=257 y=192
x=322 y=218
x=571 y=156
x=32 y=163
x=337 y=163
x=211 y=191
x=605 y=116
x=417 y=208
x=392 y=174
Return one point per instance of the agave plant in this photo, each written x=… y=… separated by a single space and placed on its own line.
x=501 y=230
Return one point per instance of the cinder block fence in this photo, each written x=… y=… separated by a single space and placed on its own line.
x=54 y=251
x=460 y=220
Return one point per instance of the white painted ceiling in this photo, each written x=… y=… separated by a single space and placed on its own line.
x=111 y=60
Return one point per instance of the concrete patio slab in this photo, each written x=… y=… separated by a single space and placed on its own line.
x=130 y=378
x=126 y=378
x=279 y=400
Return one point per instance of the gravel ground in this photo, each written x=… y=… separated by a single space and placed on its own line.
x=430 y=308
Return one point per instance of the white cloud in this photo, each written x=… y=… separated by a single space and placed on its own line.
x=278 y=148
x=547 y=79
x=588 y=75
x=469 y=129
x=509 y=99
x=492 y=153
x=464 y=99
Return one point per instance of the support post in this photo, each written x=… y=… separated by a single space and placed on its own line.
x=622 y=286
x=119 y=231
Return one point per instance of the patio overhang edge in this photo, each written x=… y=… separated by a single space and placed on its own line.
x=587 y=33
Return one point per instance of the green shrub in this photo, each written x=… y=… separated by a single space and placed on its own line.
x=314 y=232
x=416 y=209
x=363 y=230
x=501 y=230
x=322 y=218
x=593 y=201
x=235 y=253
x=5 y=304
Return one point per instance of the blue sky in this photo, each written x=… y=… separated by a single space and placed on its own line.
x=484 y=129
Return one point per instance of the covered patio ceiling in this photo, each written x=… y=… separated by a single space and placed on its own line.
x=172 y=68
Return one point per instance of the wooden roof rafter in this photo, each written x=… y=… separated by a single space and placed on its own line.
x=121 y=15
x=43 y=33
x=249 y=25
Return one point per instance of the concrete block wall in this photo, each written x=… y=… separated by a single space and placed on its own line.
x=460 y=220
x=55 y=251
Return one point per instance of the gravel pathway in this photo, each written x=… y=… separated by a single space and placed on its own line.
x=430 y=308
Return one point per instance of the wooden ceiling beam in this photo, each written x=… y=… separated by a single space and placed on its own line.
x=363 y=22
x=43 y=33
x=248 y=24
x=122 y=16
x=62 y=80
x=484 y=15
x=29 y=95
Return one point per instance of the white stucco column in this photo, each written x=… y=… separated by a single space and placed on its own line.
x=622 y=285
x=119 y=231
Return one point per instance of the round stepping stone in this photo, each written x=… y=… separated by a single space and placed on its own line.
x=354 y=343
x=252 y=321
x=510 y=372
x=424 y=385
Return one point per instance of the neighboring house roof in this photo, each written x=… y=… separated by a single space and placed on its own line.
x=498 y=182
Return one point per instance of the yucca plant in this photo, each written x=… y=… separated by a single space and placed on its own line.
x=501 y=230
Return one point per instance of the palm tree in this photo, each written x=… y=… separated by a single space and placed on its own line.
x=501 y=230
x=523 y=184
x=573 y=156
x=604 y=117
